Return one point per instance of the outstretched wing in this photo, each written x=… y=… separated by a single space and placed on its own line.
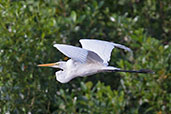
x=77 y=53
x=102 y=48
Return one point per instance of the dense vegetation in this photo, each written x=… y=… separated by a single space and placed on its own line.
x=28 y=30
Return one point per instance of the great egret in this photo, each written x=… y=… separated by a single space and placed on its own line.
x=92 y=58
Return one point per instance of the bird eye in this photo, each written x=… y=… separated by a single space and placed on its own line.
x=56 y=63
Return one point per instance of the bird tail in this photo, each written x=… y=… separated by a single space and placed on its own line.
x=130 y=71
x=110 y=68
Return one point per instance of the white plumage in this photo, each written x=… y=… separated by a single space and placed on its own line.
x=102 y=48
x=92 y=58
x=75 y=53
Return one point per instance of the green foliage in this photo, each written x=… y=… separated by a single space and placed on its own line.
x=28 y=29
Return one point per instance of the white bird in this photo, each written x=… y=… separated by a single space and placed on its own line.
x=92 y=58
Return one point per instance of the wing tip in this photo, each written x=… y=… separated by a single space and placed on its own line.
x=58 y=45
x=82 y=40
x=122 y=47
x=55 y=45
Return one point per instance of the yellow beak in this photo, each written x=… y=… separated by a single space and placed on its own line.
x=47 y=65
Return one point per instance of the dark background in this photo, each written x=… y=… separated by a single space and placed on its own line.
x=28 y=30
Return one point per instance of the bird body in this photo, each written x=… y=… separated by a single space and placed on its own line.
x=89 y=68
x=92 y=58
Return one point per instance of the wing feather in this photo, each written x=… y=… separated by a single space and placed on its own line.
x=102 y=48
x=77 y=53
x=73 y=52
